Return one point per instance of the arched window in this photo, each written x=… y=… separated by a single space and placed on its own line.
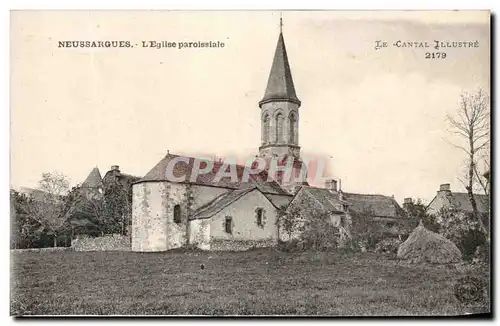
x=228 y=224
x=265 y=123
x=259 y=217
x=291 y=135
x=279 y=128
x=177 y=214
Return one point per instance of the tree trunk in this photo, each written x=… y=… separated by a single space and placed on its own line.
x=55 y=240
x=472 y=199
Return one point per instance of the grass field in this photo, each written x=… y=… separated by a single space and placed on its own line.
x=258 y=282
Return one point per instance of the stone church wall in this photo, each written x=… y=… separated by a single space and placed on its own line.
x=199 y=233
x=153 y=225
x=244 y=221
x=149 y=216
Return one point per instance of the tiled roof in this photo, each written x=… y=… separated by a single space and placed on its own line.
x=280 y=83
x=461 y=201
x=330 y=201
x=220 y=202
x=378 y=205
x=279 y=200
x=181 y=168
x=94 y=179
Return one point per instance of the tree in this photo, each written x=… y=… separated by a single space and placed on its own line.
x=85 y=207
x=289 y=222
x=461 y=228
x=23 y=227
x=117 y=207
x=416 y=210
x=47 y=206
x=471 y=123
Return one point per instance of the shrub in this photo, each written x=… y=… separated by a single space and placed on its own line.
x=463 y=230
x=388 y=246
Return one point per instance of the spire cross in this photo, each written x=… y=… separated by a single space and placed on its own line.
x=281 y=23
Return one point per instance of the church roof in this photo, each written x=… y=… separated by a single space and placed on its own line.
x=280 y=83
x=220 y=202
x=182 y=168
x=94 y=179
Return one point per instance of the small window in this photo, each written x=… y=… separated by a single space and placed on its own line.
x=390 y=224
x=177 y=214
x=228 y=225
x=259 y=217
x=345 y=207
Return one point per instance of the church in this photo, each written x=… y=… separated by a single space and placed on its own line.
x=213 y=213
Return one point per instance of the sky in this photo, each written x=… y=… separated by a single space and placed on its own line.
x=378 y=116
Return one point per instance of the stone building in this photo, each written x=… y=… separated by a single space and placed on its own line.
x=168 y=215
x=445 y=198
x=174 y=206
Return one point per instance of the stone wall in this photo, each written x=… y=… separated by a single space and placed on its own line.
x=243 y=213
x=240 y=245
x=112 y=242
x=149 y=216
x=50 y=249
x=199 y=233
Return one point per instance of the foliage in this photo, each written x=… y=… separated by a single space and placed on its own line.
x=23 y=227
x=388 y=246
x=365 y=231
x=471 y=124
x=289 y=222
x=117 y=207
x=48 y=206
x=463 y=229
x=416 y=210
x=319 y=232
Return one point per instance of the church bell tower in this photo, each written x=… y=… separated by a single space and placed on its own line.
x=280 y=113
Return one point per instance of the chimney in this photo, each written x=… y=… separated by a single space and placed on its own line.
x=407 y=201
x=115 y=168
x=331 y=184
x=444 y=187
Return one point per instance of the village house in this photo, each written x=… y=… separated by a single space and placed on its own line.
x=445 y=198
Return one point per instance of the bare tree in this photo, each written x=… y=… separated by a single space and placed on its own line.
x=47 y=205
x=471 y=123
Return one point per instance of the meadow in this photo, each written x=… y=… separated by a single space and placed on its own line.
x=257 y=282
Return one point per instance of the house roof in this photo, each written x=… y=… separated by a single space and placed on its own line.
x=330 y=201
x=93 y=180
x=183 y=168
x=378 y=205
x=279 y=201
x=216 y=205
x=280 y=83
x=460 y=200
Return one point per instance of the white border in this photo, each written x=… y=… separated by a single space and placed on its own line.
x=178 y=5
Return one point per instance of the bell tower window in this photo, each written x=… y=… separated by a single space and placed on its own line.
x=265 y=123
x=293 y=122
x=279 y=128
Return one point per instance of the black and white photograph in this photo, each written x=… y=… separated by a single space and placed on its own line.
x=250 y=163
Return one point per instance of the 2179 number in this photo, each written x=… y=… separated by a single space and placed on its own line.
x=435 y=55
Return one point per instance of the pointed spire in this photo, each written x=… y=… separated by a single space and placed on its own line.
x=280 y=84
x=94 y=179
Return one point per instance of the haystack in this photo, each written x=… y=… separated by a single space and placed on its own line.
x=426 y=246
